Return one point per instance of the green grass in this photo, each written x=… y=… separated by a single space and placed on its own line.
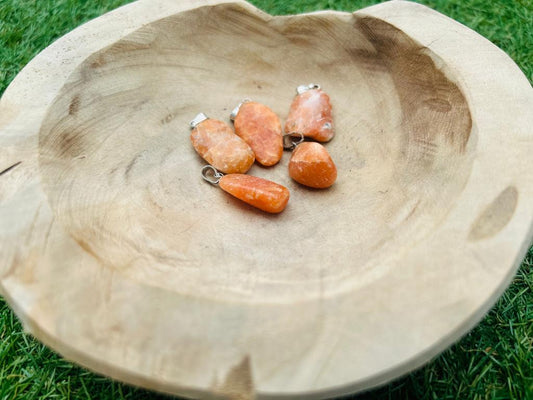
x=494 y=361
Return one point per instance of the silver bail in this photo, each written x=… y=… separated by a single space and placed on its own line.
x=288 y=140
x=211 y=174
x=235 y=111
x=304 y=88
x=197 y=120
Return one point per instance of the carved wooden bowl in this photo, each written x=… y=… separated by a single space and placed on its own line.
x=116 y=254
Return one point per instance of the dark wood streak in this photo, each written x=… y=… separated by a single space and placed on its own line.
x=129 y=167
x=238 y=384
x=97 y=61
x=432 y=105
x=440 y=105
x=86 y=247
x=369 y=60
x=74 y=105
x=5 y=171
x=70 y=144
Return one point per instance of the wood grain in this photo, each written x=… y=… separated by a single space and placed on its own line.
x=117 y=255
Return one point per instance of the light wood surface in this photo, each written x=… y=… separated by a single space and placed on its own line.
x=116 y=254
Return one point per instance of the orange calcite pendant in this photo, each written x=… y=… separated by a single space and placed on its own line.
x=216 y=143
x=260 y=127
x=258 y=192
x=310 y=114
x=311 y=165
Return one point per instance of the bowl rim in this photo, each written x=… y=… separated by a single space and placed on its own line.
x=478 y=66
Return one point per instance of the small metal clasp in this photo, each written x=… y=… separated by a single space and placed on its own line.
x=289 y=143
x=304 y=88
x=211 y=174
x=197 y=120
x=235 y=111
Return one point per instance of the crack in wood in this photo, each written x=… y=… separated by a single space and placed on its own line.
x=5 y=171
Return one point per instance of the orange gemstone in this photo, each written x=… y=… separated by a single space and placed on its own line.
x=217 y=144
x=258 y=192
x=310 y=114
x=260 y=127
x=311 y=165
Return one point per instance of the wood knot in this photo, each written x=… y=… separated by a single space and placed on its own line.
x=495 y=216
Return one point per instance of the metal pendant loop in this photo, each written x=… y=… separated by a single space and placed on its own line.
x=197 y=120
x=211 y=174
x=289 y=143
x=304 y=88
x=235 y=111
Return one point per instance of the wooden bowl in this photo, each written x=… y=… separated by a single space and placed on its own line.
x=116 y=254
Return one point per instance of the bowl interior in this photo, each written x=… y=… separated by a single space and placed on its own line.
x=122 y=177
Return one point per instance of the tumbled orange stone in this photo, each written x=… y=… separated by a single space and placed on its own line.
x=310 y=114
x=216 y=143
x=258 y=192
x=311 y=165
x=260 y=127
